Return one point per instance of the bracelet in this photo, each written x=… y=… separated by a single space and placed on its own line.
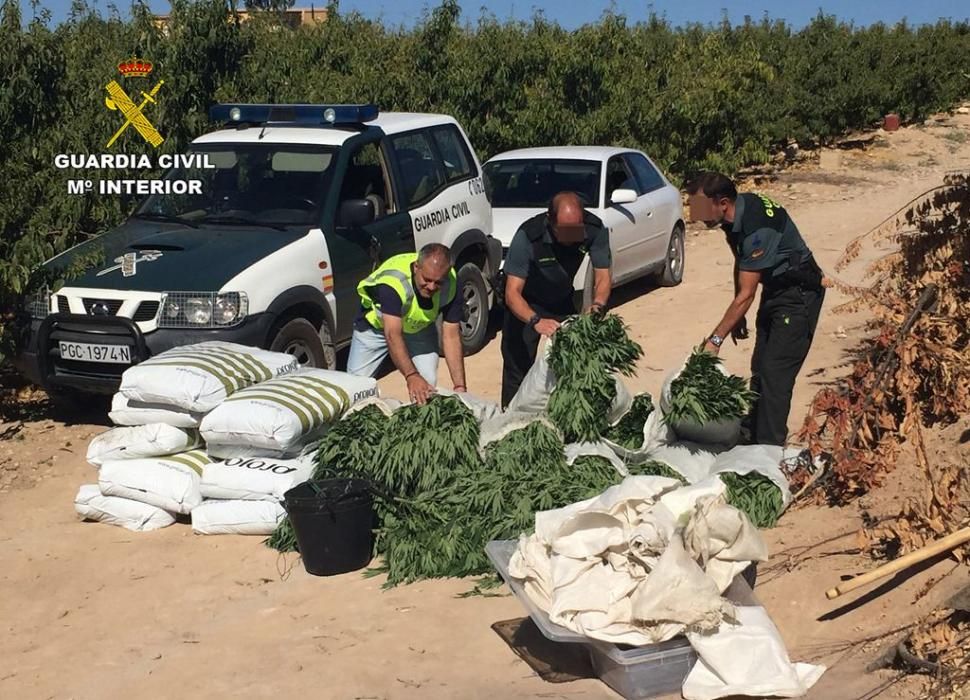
x=462 y=387
x=410 y=374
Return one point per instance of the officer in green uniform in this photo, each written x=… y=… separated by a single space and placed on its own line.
x=399 y=305
x=544 y=257
x=768 y=249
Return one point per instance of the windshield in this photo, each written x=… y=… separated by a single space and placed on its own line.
x=533 y=183
x=269 y=184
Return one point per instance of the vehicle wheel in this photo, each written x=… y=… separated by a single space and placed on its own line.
x=673 y=272
x=474 y=295
x=301 y=339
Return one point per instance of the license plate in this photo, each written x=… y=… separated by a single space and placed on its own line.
x=90 y=352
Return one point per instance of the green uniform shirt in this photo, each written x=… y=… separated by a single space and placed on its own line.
x=763 y=237
x=548 y=267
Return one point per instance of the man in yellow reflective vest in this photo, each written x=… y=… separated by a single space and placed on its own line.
x=399 y=304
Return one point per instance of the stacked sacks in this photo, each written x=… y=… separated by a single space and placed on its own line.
x=243 y=494
x=194 y=379
x=157 y=466
x=259 y=436
x=147 y=474
x=278 y=417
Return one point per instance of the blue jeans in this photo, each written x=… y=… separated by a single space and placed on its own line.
x=368 y=349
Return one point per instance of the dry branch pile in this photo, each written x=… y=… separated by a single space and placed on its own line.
x=914 y=372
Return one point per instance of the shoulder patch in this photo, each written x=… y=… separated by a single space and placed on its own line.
x=757 y=253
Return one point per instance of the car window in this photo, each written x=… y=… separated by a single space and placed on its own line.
x=421 y=174
x=619 y=177
x=454 y=152
x=366 y=179
x=532 y=183
x=263 y=183
x=648 y=176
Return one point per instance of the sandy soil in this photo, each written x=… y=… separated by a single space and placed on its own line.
x=91 y=611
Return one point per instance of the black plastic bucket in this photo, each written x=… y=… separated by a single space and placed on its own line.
x=332 y=521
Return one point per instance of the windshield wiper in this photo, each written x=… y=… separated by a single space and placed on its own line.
x=155 y=216
x=241 y=220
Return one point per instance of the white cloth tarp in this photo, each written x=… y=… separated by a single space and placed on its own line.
x=171 y=482
x=595 y=449
x=746 y=657
x=483 y=409
x=762 y=459
x=197 y=378
x=614 y=567
x=254 y=478
x=127 y=412
x=539 y=382
x=656 y=434
x=278 y=417
x=497 y=427
x=722 y=432
x=237 y=517
x=722 y=539
x=91 y=504
x=139 y=441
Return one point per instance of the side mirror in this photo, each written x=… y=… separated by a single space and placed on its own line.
x=355 y=213
x=623 y=197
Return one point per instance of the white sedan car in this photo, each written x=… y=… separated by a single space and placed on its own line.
x=641 y=209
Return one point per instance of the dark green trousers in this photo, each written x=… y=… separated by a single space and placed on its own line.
x=784 y=331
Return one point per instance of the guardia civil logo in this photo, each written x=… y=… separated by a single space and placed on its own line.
x=134 y=114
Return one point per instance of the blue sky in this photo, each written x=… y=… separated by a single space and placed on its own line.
x=571 y=13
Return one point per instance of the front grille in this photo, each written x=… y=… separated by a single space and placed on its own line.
x=112 y=306
x=62 y=304
x=104 y=330
x=146 y=311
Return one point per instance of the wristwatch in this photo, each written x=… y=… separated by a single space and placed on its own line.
x=534 y=320
x=715 y=340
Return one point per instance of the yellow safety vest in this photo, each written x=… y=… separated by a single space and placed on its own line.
x=396 y=273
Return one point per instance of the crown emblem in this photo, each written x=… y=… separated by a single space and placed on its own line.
x=135 y=68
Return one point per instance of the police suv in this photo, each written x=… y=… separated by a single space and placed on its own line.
x=298 y=203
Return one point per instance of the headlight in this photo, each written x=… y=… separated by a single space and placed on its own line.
x=202 y=309
x=38 y=304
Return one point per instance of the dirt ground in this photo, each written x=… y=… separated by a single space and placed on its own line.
x=91 y=611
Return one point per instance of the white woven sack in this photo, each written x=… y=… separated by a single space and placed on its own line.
x=90 y=504
x=763 y=459
x=139 y=441
x=595 y=449
x=170 y=482
x=199 y=377
x=126 y=412
x=237 y=517
x=276 y=418
x=254 y=478
x=722 y=432
x=539 y=382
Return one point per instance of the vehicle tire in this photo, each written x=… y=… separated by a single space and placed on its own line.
x=673 y=271
x=300 y=338
x=474 y=295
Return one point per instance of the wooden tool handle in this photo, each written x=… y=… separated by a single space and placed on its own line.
x=922 y=554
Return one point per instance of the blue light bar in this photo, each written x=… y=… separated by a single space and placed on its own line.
x=293 y=114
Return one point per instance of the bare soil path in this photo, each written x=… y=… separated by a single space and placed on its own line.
x=91 y=611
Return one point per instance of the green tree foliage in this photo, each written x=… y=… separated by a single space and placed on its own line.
x=718 y=96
